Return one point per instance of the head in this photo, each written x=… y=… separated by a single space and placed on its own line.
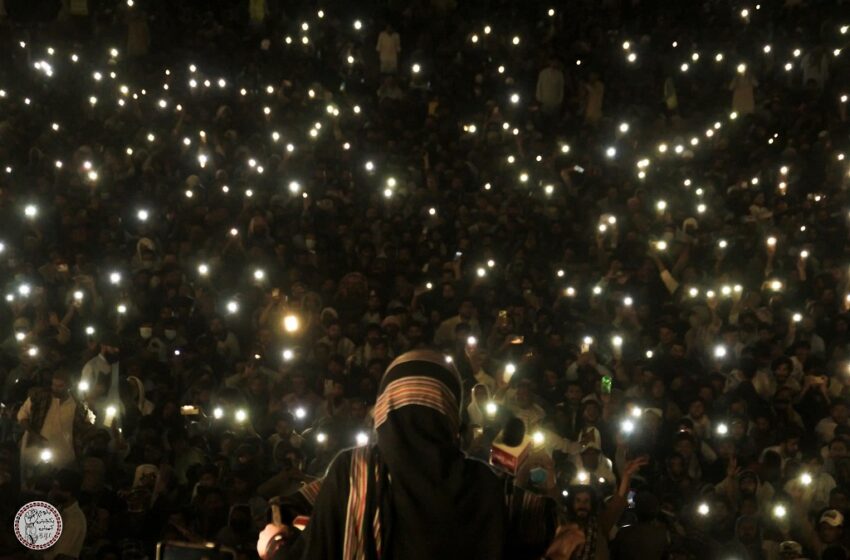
x=59 y=385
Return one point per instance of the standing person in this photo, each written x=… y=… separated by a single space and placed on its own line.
x=594 y=95
x=597 y=524
x=742 y=86
x=550 y=88
x=52 y=421
x=66 y=489
x=388 y=48
x=103 y=367
x=414 y=494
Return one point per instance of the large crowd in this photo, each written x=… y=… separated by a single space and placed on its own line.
x=625 y=223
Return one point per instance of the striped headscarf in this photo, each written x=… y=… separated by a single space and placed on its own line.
x=413 y=382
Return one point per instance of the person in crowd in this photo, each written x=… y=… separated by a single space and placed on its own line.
x=221 y=223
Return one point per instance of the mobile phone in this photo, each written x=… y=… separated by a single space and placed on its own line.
x=458 y=254
x=578 y=169
x=606 y=384
x=630 y=498
x=517 y=339
x=189 y=410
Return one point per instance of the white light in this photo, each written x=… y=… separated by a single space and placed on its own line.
x=797 y=317
x=111 y=410
x=78 y=295
x=661 y=245
x=491 y=408
x=259 y=274
x=291 y=323
x=624 y=127
x=661 y=205
x=358 y=24
x=515 y=40
x=627 y=426
x=83 y=386
x=294 y=187
x=232 y=307
x=718 y=57
x=632 y=57
x=741 y=68
x=701 y=208
x=684 y=67
x=218 y=413
x=766 y=49
x=771 y=241
x=300 y=413
x=241 y=415
x=617 y=341
x=611 y=151
x=288 y=355
x=797 y=53
x=89 y=330
x=362 y=439
x=142 y=215
x=538 y=438
x=31 y=210
x=32 y=352
x=24 y=289
x=122 y=309
x=703 y=509
x=203 y=269
x=719 y=351
x=779 y=511
x=570 y=291
x=597 y=290
x=46 y=455
x=722 y=429
x=416 y=68
x=583 y=477
x=514 y=98
x=806 y=479
x=321 y=437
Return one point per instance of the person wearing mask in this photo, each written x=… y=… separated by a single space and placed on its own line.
x=104 y=367
x=376 y=499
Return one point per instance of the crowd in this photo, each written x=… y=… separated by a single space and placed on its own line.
x=623 y=222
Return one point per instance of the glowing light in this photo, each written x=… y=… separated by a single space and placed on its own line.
x=291 y=323
x=232 y=307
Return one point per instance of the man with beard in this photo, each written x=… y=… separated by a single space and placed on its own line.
x=54 y=425
x=597 y=524
x=103 y=367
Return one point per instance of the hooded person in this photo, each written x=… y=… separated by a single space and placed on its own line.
x=145 y=406
x=376 y=500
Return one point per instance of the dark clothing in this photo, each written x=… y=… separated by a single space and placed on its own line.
x=647 y=541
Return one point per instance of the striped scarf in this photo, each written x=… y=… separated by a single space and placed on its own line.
x=411 y=390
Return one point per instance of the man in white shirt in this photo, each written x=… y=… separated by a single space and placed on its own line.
x=49 y=420
x=388 y=48
x=104 y=365
x=525 y=408
x=839 y=413
x=550 y=88
x=66 y=487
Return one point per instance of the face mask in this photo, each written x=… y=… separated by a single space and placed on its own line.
x=170 y=334
x=145 y=332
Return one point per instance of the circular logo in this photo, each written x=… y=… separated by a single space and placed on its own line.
x=38 y=525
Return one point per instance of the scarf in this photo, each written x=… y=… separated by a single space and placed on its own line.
x=591 y=535
x=376 y=500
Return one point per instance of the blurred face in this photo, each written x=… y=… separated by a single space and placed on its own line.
x=829 y=534
x=582 y=505
x=59 y=388
x=792 y=446
x=574 y=394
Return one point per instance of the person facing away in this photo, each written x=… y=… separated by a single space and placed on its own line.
x=414 y=494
